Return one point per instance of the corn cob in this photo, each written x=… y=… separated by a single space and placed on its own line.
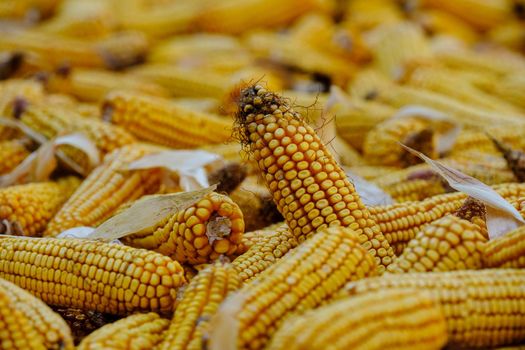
x=256 y=204
x=397 y=44
x=190 y=325
x=30 y=207
x=483 y=308
x=250 y=238
x=268 y=247
x=159 y=121
x=235 y=17
x=381 y=143
x=415 y=189
x=17 y=330
x=402 y=221
x=438 y=22
x=49 y=325
x=199 y=234
x=454 y=242
x=482 y=14
x=507 y=251
x=510 y=89
x=83 y=322
x=389 y=319
x=300 y=281
x=372 y=172
x=489 y=169
x=184 y=82
x=93 y=85
x=12 y=153
x=139 y=331
x=473 y=140
x=91 y=275
x=105 y=189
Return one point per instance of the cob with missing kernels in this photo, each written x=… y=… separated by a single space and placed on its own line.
x=309 y=187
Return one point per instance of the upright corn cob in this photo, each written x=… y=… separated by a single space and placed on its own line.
x=269 y=246
x=105 y=189
x=381 y=143
x=91 y=275
x=12 y=153
x=160 y=121
x=507 y=251
x=310 y=189
x=256 y=204
x=300 y=281
x=49 y=325
x=199 y=234
x=402 y=221
x=30 y=207
x=483 y=308
x=93 y=85
x=387 y=319
x=454 y=242
x=139 y=331
x=190 y=325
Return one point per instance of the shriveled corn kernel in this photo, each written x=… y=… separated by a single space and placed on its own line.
x=507 y=251
x=386 y=319
x=483 y=308
x=105 y=189
x=49 y=325
x=302 y=280
x=92 y=275
x=199 y=234
x=190 y=325
x=139 y=331
x=302 y=175
x=30 y=207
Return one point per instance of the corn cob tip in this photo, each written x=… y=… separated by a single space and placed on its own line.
x=422 y=141
x=228 y=177
x=471 y=208
x=11 y=228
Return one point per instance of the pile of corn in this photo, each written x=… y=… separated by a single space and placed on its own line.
x=293 y=100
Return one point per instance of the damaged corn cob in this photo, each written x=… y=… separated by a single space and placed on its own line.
x=160 y=121
x=199 y=234
x=387 y=319
x=483 y=308
x=507 y=251
x=49 y=326
x=300 y=281
x=454 y=242
x=310 y=189
x=106 y=188
x=83 y=322
x=27 y=209
x=191 y=324
x=139 y=331
x=91 y=275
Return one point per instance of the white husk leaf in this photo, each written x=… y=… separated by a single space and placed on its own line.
x=224 y=325
x=146 y=213
x=501 y=215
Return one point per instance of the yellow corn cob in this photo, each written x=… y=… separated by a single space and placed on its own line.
x=184 y=82
x=160 y=121
x=357 y=117
x=250 y=238
x=29 y=208
x=83 y=322
x=438 y=22
x=372 y=172
x=368 y=14
x=491 y=170
x=388 y=319
x=402 y=221
x=268 y=247
x=199 y=234
x=12 y=153
x=300 y=281
x=454 y=242
x=49 y=325
x=509 y=34
x=235 y=16
x=139 y=331
x=105 y=189
x=381 y=143
x=22 y=8
x=483 y=308
x=482 y=14
x=396 y=44
x=91 y=275
x=310 y=189
x=200 y=302
x=93 y=85
x=473 y=140
x=17 y=330
x=256 y=204
x=415 y=189
x=507 y=251
x=510 y=89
